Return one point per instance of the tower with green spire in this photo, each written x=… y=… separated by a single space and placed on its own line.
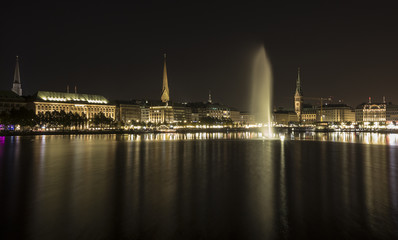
x=298 y=96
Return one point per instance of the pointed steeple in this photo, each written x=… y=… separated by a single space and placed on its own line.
x=209 y=101
x=16 y=85
x=165 y=90
x=299 y=91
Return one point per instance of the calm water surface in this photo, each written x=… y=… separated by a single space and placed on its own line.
x=199 y=186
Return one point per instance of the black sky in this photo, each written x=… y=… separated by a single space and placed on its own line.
x=348 y=50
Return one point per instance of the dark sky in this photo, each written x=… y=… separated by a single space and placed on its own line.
x=348 y=51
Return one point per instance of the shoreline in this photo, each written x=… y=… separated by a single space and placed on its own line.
x=218 y=130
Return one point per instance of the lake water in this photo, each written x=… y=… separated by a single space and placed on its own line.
x=199 y=186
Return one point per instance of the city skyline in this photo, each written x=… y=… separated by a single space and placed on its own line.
x=165 y=95
x=111 y=46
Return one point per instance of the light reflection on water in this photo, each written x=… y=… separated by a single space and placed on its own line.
x=346 y=137
x=202 y=185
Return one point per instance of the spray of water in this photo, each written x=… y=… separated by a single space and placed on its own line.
x=261 y=101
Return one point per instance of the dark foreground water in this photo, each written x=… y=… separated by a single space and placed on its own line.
x=199 y=186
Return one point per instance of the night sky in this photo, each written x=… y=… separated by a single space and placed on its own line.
x=348 y=51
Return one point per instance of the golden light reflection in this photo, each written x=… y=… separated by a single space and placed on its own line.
x=343 y=137
x=372 y=138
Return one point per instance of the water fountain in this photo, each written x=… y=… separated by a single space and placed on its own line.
x=261 y=100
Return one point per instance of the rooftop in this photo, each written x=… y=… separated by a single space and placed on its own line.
x=10 y=95
x=70 y=97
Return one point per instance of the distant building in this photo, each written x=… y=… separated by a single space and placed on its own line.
x=161 y=114
x=82 y=104
x=308 y=114
x=235 y=116
x=16 y=85
x=182 y=113
x=128 y=112
x=392 y=113
x=10 y=100
x=165 y=111
x=218 y=111
x=359 y=113
x=171 y=113
x=145 y=106
x=336 y=113
x=284 y=117
x=247 y=118
x=213 y=110
x=145 y=112
x=371 y=112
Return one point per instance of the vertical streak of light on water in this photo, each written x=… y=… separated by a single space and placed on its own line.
x=393 y=166
x=263 y=192
x=283 y=200
x=369 y=186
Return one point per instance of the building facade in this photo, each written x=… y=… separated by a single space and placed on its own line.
x=83 y=104
x=308 y=115
x=235 y=116
x=336 y=113
x=284 y=117
x=372 y=112
x=10 y=100
x=392 y=113
x=247 y=118
x=128 y=113
x=161 y=114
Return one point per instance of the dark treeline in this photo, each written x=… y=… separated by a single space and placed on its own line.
x=28 y=119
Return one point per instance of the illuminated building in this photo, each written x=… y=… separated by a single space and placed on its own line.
x=16 y=85
x=235 y=116
x=161 y=114
x=377 y=112
x=218 y=111
x=173 y=113
x=145 y=111
x=309 y=115
x=298 y=97
x=182 y=113
x=169 y=113
x=247 y=118
x=82 y=104
x=128 y=112
x=213 y=110
x=336 y=113
x=371 y=112
x=392 y=113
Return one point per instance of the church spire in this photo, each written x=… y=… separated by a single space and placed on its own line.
x=209 y=101
x=299 y=91
x=298 y=97
x=16 y=86
x=165 y=90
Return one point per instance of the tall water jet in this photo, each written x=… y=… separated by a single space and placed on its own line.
x=261 y=100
